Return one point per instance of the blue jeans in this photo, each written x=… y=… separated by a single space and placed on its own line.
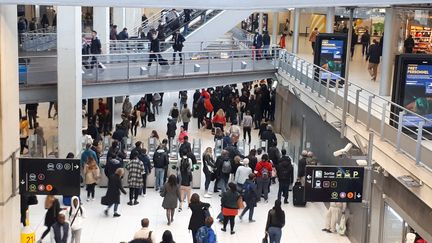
x=283 y=190
x=115 y=207
x=275 y=234
x=249 y=207
x=159 y=173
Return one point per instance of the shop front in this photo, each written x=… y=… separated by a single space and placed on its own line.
x=418 y=24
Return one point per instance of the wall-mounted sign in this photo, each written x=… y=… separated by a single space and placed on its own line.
x=334 y=184
x=49 y=176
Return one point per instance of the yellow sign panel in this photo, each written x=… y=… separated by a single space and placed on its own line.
x=318 y=21
x=28 y=237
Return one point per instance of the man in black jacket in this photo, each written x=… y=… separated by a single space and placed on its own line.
x=221 y=176
x=95 y=48
x=178 y=40
x=285 y=174
x=185 y=147
x=373 y=56
x=154 y=48
x=171 y=130
x=269 y=136
x=160 y=163
x=301 y=171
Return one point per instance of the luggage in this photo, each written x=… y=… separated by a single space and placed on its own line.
x=164 y=64
x=298 y=195
x=151 y=117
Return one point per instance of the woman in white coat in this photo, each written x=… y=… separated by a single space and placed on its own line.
x=76 y=214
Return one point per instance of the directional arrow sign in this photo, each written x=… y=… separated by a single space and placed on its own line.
x=22 y=182
x=358 y=195
x=76 y=167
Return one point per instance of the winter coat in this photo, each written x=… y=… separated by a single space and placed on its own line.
x=229 y=199
x=185 y=115
x=52 y=213
x=114 y=188
x=171 y=196
x=160 y=159
x=136 y=170
x=197 y=218
x=171 y=128
x=91 y=176
x=79 y=212
x=250 y=196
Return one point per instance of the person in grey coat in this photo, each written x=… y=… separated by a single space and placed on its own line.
x=171 y=195
x=135 y=178
x=185 y=116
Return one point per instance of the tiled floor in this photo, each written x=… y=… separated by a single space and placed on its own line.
x=302 y=224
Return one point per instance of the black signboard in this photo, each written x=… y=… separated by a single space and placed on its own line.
x=334 y=184
x=330 y=54
x=39 y=176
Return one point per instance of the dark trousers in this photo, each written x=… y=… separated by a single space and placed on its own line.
x=46 y=232
x=23 y=144
x=133 y=193
x=144 y=120
x=257 y=121
x=155 y=57
x=31 y=118
x=134 y=129
x=247 y=130
x=51 y=104
x=194 y=236
x=144 y=189
x=186 y=125
x=179 y=53
x=249 y=207
x=365 y=48
x=207 y=180
x=93 y=62
x=283 y=190
x=200 y=121
x=90 y=190
x=231 y=220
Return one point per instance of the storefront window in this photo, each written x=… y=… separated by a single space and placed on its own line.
x=418 y=24
x=393 y=226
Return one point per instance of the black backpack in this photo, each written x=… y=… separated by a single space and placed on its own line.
x=283 y=173
x=184 y=165
x=174 y=113
x=157 y=158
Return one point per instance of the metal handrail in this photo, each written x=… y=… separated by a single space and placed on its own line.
x=153 y=18
x=310 y=75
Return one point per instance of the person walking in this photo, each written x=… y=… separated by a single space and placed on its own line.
x=52 y=206
x=135 y=178
x=24 y=134
x=171 y=129
x=285 y=175
x=312 y=38
x=266 y=40
x=145 y=160
x=301 y=172
x=154 y=50
x=112 y=196
x=199 y=214
x=134 y=121
x=178 y=40
x=230 y=207
x=142 y=108
x=333 y=215
x=145 y=233
x=242 y=173
x=167 y=237
x=250 y=196
x=60 y=231
x=91 y=176
x=365 y=40
x=160 y=162
x=263 y=172
x=208 y=169
x=408 y=45
x=171 y=195
x=185 y=116
x=275 y=222
x=282 y=40
x=95 y=48
x=127 y=107
x=219 y=119
x=222 y=172
x=373 y=56
x=185 y=170
x=31 y=111
x=247 y=124
x=76 y=215
x=205 y=233
x=257 y=45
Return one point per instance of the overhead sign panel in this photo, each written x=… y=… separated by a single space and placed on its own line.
x=334 y=184
x=40 y=176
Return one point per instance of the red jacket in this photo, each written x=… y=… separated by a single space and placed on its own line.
x=263 y=164
x=219 y=119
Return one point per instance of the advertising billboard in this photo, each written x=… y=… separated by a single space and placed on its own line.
x=330 y=54
x=38 y=176
x=334 y=184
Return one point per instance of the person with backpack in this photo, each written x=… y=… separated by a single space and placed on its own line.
x=76 y=214
x=200 y=211
x=160 y=162
x=183 y=135
x=285 y=175
x=250 y=197
x=185 y=116
x=135 y=179
x=223 y=170
x=145 y=233
x=275 y=223
x=263 y=173
x=208 y=169
x=183 y=98
x=205 y=234
x=185 y=171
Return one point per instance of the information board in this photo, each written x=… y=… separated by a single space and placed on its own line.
x=40 y=176
x=334 y=184
x=330 y=54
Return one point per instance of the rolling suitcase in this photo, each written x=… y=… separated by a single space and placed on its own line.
x=298 y=195
x=151 y=117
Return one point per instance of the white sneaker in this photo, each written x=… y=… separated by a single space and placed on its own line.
x=92 y=199
x=88 y=200
x=210 y=193
x=207 y=195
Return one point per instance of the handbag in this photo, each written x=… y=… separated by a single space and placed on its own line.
x=240 y=204
x=265 y=239
x=104 y=201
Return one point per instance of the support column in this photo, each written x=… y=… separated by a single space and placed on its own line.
x=69 y=84
x=101 y=25
x=296 y=31
x=260 y=23
x=275 y=27
x=9 y=134
x=330 y=19
x=388 y=52
x=119 y=18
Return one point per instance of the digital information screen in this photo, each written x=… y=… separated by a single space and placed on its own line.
x=418 y=93
x=331 y=57
x=334 y=184
x=38 y=176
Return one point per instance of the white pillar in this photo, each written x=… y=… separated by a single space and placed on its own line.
x=260 y=23
x=388 y=52
x=119 y=18
x=275 y=27
x=69 y=84
x=330 y=19
x=101 y=25
x=296 y=30
x=9 y=135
